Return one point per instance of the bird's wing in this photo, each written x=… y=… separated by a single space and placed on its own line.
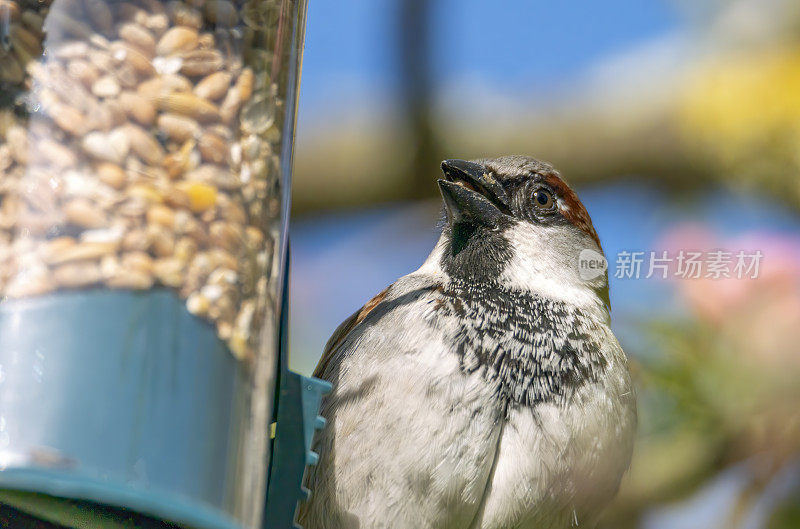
x=344 y=329
x=410 y=438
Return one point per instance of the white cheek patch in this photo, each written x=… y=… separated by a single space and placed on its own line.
x=562 y=206
x=545 y=261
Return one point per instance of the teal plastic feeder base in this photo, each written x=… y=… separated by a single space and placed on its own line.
x=133 y=421
x=34 y=511
x=298 y=420
x=122 y=399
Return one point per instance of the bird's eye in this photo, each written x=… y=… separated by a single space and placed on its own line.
x=543 y=199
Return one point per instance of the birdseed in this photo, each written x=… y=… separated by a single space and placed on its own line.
x=138 y=145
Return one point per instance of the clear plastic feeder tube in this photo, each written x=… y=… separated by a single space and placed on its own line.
x=145 y=152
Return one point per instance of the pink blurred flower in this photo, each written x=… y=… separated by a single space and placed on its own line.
x=762 y=314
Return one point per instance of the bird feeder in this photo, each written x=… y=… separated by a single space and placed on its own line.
x=145 y=158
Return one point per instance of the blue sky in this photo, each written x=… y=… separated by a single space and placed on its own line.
x=509 y=47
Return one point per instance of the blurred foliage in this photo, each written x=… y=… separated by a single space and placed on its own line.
x=719 y=387
x=787 y=516
x=740 y=113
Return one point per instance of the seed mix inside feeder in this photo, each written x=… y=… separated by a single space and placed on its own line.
x=142 y=190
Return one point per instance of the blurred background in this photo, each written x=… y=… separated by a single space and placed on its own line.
x=679 y=123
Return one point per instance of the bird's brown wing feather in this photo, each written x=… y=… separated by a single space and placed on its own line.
x=344 y=329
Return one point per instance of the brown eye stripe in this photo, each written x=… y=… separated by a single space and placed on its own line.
x=574 y=212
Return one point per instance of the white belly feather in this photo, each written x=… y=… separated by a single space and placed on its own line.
x=414 y=441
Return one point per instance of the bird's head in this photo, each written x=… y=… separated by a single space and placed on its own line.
x=512 y=220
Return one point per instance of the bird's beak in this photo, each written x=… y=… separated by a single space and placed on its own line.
x=470 y=194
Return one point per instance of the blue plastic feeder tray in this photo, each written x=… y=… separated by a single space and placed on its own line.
x=123 y=399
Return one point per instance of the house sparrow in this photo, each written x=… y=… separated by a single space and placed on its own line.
x=486 y=389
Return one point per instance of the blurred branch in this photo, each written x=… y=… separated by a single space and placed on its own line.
x=416 y=91
x=729 y=119
x=371 y=165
